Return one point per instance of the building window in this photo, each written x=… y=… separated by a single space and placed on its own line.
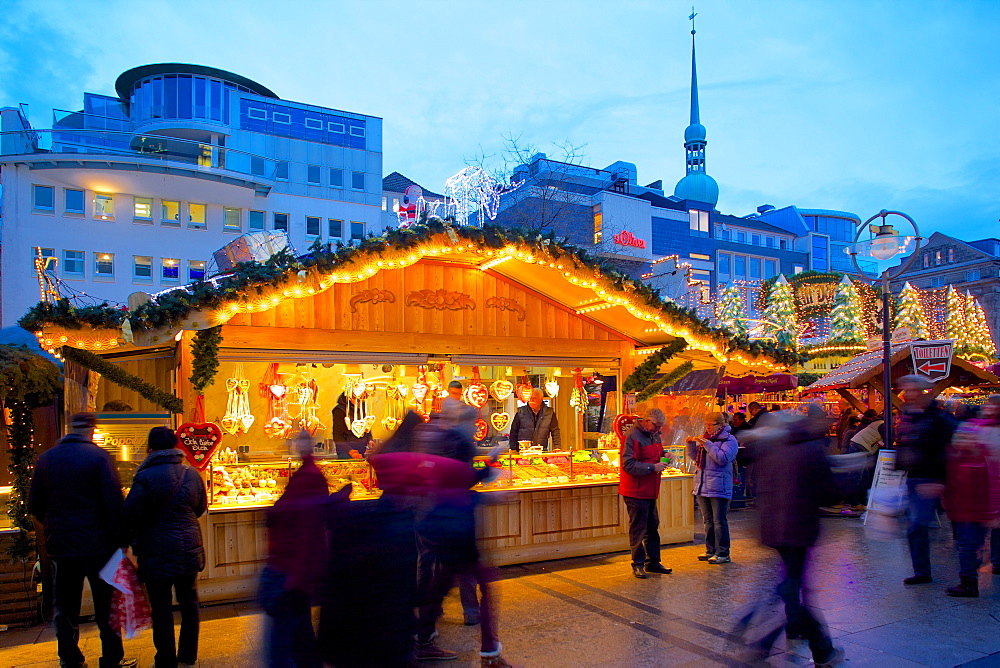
x=337 y=178
x=257 y=114
x=143 y=209
x=385 y=203
x=258 y=166
x=73 y=263
x=104 y=206
x=338 y=128
x=170 y=269
x=937 y=258
x=937 y=282
x=279 y=117
x=740 y=266
x=926 y=260
x=335 y=228
x=232 y=219
x=698 y=220
x=312 y=174
x=74 y=200
x=43 y=198
x=770 y=268
x=170 y=213
x=769 y=241
x=972 y=275
x=281 y=222
x=104 y=265
x=741 y=237
x=45 y=253
x=255 y=220
x=196 y=215
x=142 y=267
x=314 y=123
x=755 y=239
x=358 y=180
x=796 y=268
x=312 y=226
x=755 y=268
x=357 y=231
x=196 y=270
x=724 y=263
x=598 y=224
x=951 y=254
x=782 y=244
x=281 y=170
x=357 y=131
x=395 y=205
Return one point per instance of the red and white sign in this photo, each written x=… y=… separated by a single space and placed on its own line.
x=932 y=358
x=199 y=442
x=625 y=238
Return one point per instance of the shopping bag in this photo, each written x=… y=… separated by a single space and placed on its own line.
x=130 y=611
x=883 y=518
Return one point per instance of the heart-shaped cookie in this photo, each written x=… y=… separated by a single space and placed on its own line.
x=369 y=422
x=476 y=395
x=231 y=424
x=552 y=388
x=232 y=384
x=419 y=392
x=402 y=389
x=359 y=389
x=481 y=429
x=501 y=389
x=523 y=391
x=199 y=442
x=247 y=421
x=390 y=423
x=622 y=424
x=500 y=421
x=359 y=427
x=277 y=391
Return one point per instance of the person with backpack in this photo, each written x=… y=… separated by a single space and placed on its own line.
x=162 y=511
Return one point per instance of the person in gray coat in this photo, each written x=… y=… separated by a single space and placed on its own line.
x=535 y=422
x=713 y=454
x=162 y=511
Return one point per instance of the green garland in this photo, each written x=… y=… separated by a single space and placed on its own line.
x=119 y=376
x=27 y=381
x=645 y=373
x=205 y=357
x=667 y=380
x=172 y=308
x=808 y=378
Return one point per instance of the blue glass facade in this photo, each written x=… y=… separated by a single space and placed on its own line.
x=311 y=125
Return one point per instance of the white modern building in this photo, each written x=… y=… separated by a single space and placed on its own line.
x=135 y=192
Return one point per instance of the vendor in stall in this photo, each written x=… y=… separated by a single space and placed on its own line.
x=343 y=438
x=535 y=422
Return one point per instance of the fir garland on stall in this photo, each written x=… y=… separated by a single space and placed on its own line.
x=119 y=376
x=667 y=380
x=205 y=357
x=27 y=381
x=645 y=373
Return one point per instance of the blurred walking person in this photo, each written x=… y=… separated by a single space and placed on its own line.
x=972 y=492
x=162 y=511
x=794 y=480
x=713 y=454
x=639 y=486
x=76 y=496
x=292 y=580
x=924 y=432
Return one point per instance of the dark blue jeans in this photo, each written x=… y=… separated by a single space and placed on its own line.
x=715 y=511
x=920 y=513
x=69 y=575
x=291 y=641
x=969 y=539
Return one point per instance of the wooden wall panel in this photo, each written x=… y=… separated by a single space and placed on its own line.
x=158 y=371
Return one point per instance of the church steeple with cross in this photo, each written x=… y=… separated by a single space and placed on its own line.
x=696 y=185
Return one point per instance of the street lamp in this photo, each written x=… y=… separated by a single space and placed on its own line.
x=885 y=244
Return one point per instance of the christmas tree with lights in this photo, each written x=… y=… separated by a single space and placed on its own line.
x=779 y=315
x=910 y=313
x=731 y=311
x=980 y=341
x=956 y=324
x=846 y=328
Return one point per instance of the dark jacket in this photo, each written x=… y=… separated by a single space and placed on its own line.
x=162 y=512
x=922 y=441
x=76 y=494
x=714 y=474
x=639 y=453
x=535 y=427
x=340 y=432
x=793 y=481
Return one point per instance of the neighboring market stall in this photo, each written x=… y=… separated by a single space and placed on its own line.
x=271 y=348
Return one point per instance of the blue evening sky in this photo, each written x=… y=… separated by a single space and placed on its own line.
x=837 y=104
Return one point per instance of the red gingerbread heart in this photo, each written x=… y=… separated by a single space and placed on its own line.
x=523 y=391
x=477 y=395
x=622 y=424
x=481 y=429
x=199 y=442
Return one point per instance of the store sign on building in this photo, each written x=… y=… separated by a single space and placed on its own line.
x=625 y=238
x=932 y=358
x=126 y=435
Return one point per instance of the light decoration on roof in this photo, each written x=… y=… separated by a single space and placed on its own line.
x=470 y=191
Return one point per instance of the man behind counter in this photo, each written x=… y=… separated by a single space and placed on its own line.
x=535 y=422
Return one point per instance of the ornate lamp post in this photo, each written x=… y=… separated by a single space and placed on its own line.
x=885 y=244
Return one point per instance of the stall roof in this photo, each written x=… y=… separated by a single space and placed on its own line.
x=557 y=271
x=866 y=368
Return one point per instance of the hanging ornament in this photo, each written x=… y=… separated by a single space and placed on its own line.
x=523 y=389
x=238 y=417
x=501 y=389
x=277 y=424
x=359 y=389
x=481 y=429
x=476 y=394
x=578 y=398
x=500 y=421
x=552 y=388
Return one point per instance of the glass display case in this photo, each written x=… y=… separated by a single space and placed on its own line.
x=258 y=484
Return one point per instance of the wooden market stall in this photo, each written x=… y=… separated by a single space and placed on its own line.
x=399 y=317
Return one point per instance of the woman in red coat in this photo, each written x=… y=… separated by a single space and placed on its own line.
x=972 y=492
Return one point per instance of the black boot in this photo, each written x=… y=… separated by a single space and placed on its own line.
x=968 y=588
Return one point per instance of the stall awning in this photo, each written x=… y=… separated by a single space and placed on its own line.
x=776 y=382
x=317 y=356
x=514 y=360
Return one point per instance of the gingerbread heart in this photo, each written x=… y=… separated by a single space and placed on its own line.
x=419 y=392
x=359 y=389
x=552 y=388
x=232 y=384
x=500 y=421
x=277 y=391
x=481 y=429
x=501 y=389
x=622 y=424
x=247 y=421
x=231 y=424
x=369 y=422
x=199 y=442
x=390 y=423
x=402 y=389
x=476 y=395
x=523 y=391
x=359 y=427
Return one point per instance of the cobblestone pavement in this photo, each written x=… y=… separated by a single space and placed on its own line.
x=592 y=612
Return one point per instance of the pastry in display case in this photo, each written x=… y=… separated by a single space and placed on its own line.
x=247 y=484
x=357 y=473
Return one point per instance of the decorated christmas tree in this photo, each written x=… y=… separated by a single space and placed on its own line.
x=731 y=312
x=980 y=341
x=956 y=324
x=909 y=312
x=779 y=315
x=846 y=327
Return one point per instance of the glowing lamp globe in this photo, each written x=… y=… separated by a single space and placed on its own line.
x=885 y=245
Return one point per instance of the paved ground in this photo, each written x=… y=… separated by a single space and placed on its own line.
x=592 y=612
